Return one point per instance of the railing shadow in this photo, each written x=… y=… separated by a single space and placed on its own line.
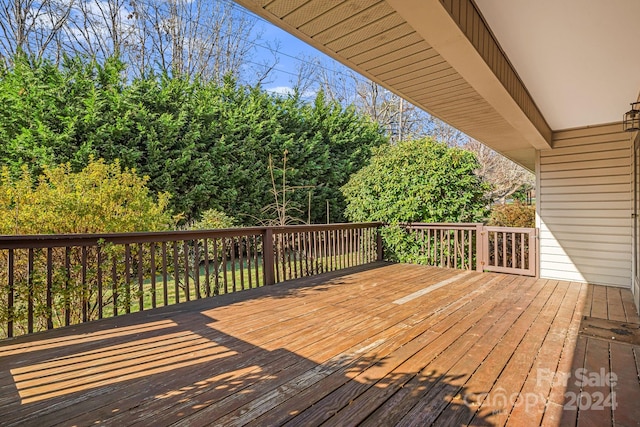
x=166 y=366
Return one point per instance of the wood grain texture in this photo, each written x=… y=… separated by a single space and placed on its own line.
x=331 y=349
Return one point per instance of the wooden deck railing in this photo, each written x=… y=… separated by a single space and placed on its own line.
x=510 y=250
x=49 y=281
x=477 y=247
x=448 y=245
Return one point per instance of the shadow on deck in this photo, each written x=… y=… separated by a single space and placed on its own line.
x=387 y=344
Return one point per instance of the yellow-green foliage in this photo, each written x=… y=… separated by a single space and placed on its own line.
x=513 y=215
x=100 y=198
x=212 y=219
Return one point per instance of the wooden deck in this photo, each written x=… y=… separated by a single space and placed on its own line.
x=390 y=344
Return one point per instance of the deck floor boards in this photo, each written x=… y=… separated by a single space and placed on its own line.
x=387 y=344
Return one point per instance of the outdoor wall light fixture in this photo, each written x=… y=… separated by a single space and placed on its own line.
x=631 y=120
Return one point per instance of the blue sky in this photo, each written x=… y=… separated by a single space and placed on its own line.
x=290 y=48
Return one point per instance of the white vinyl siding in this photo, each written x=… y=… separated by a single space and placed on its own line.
x=584 y=206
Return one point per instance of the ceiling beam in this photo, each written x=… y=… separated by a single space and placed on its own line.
x=477 y=57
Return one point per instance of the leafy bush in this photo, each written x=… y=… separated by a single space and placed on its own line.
x=212 y=219
x=513 y=215
x=100 y=198
x=417 y=181
x=400 y=246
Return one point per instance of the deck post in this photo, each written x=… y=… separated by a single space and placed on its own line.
x=379 y=247
x=481 y=236
x=267 y=256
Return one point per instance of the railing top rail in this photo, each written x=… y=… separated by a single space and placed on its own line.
x=322 y=227
x=63 y=240
x=450 y=225
x=510 y=229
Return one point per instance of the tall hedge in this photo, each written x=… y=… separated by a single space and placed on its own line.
x=207 y=145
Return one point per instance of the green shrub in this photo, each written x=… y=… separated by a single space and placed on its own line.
x=101 y=198
x=212 y=219
x=417 y=181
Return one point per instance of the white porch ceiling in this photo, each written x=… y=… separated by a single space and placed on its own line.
x=579 y=59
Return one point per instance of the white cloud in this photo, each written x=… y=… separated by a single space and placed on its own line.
x=287 y=90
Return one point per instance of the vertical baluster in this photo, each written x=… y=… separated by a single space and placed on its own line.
x=84 y=290
x=354 y=246
x=343 y=251
x=295 y=254
x=308 y=261
x=225 y=280
x=140 y=278
x=165 y=281
x=283 y=256
x=152 y=259
x=322 y=241
x=504 y=248
x=449 y=248
x=312 y=260
x=455 y=249
x=127 y=277
x=348 y=248
x=10 y=294
x=360 y=246
x=276 y=249
x=207 y=273
x=50 y=289
x=440 y=254
x=67 y=286
x=372 y=242
x=367 y=247
x=249 y=270
x=287 y=239
x=185 y=249
x=365 y=244
x=114 y=282
x=176 y=273
x=319 y=258
x=496 y=254
x=196 y=268
x=354 y=255
x=301 y=252
x=241 y=260
x=336 y=251
x=232 y=250
x=331 y=250
x=513 y=250
x=436 y=246
x=522 y=258
x=340 y=248
x=316 y=251
x=329 y=237
x=256 y=262
x=30 y=291
x=216 y=268
x=470 y=252
x=98 y=278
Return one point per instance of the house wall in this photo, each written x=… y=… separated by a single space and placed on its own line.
x=584 y=206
